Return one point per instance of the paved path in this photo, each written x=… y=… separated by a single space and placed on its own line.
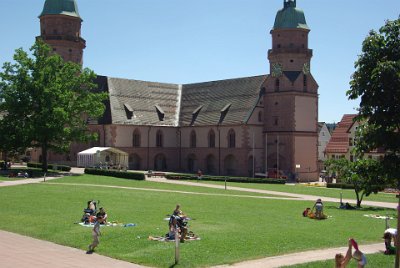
x=302 y=257
x=21 y=251
x=17 y=251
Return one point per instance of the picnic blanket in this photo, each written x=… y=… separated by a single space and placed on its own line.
x=109 y=224
x=189 y=237
x=375 y=216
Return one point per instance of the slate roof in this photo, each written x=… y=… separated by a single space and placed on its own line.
x=225 y=102
x=339 y=142
x=151 y=103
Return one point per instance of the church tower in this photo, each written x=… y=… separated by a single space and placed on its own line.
x=60 y=27
x=291 y=98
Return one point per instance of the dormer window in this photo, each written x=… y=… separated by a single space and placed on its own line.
x=128 y=111
x=160 y=113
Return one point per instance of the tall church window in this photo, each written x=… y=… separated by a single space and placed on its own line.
x=277 y=84
x=259 y=116
x=305 y=83
x=159 y=139
x=136 y=138
x=193 y=139
x=231 y=139
x=276 y=120
x=211 y=139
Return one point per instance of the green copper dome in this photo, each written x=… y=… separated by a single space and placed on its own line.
x=60 y=7
x=290 y=17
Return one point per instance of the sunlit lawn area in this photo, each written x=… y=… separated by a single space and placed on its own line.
x=311 y=190
x=232 y=228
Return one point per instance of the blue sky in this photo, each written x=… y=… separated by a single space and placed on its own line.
x=187 y=41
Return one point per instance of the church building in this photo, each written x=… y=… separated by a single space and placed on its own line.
x=236 y=127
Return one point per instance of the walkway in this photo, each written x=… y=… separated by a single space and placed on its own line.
x=21 y=251
x=17 y=251
x=302 y=257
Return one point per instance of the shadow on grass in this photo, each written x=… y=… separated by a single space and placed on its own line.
x=366 y=209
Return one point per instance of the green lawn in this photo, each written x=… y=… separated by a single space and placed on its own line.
x=311 y=190
x=373 y=260
x=104 y=180
x=232 y=229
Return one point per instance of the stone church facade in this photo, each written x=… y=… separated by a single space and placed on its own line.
x=236 y=127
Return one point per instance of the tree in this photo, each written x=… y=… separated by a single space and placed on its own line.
x=377 y=82
x=365 y=175
x=47 y=100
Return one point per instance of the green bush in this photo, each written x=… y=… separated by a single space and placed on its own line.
x=115 y=173
x=340 y=185
x=228 y=179
x=49 y=166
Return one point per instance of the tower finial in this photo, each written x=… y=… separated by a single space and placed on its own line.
x=289 y=3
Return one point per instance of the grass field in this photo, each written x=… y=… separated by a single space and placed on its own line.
x=312 y=190
x=232 y=228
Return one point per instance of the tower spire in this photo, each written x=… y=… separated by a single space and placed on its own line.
x=60 y=27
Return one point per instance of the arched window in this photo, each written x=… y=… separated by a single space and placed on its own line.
x=136 y=138
x=231 y=139
x=159 y=139
x=193 y=139
x=259 y=116
x=211 y=139
x=277 y=84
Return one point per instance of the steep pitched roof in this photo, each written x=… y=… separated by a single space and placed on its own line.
x=136 y=102
x=339 y=142
x=225 y=102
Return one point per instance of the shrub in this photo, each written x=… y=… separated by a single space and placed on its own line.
x=49 y=166
x=228 y=179
x=114 y=173
x=340 y=185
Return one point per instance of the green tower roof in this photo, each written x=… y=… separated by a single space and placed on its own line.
x=60 y=7
x=290 y=17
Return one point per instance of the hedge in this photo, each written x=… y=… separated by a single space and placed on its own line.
x=340 y=185
x=115 y=173
x=228 y=179
x=49 y=166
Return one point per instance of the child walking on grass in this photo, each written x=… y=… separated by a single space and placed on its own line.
x=95 y=233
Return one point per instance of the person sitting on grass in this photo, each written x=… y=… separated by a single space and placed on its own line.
x=176 y=223
x=306 y=212
x=95 y=234
x=102 y=213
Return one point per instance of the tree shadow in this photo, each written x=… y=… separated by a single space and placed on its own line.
x=365 y=209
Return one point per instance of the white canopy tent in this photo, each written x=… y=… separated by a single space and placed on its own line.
x=103 y=157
